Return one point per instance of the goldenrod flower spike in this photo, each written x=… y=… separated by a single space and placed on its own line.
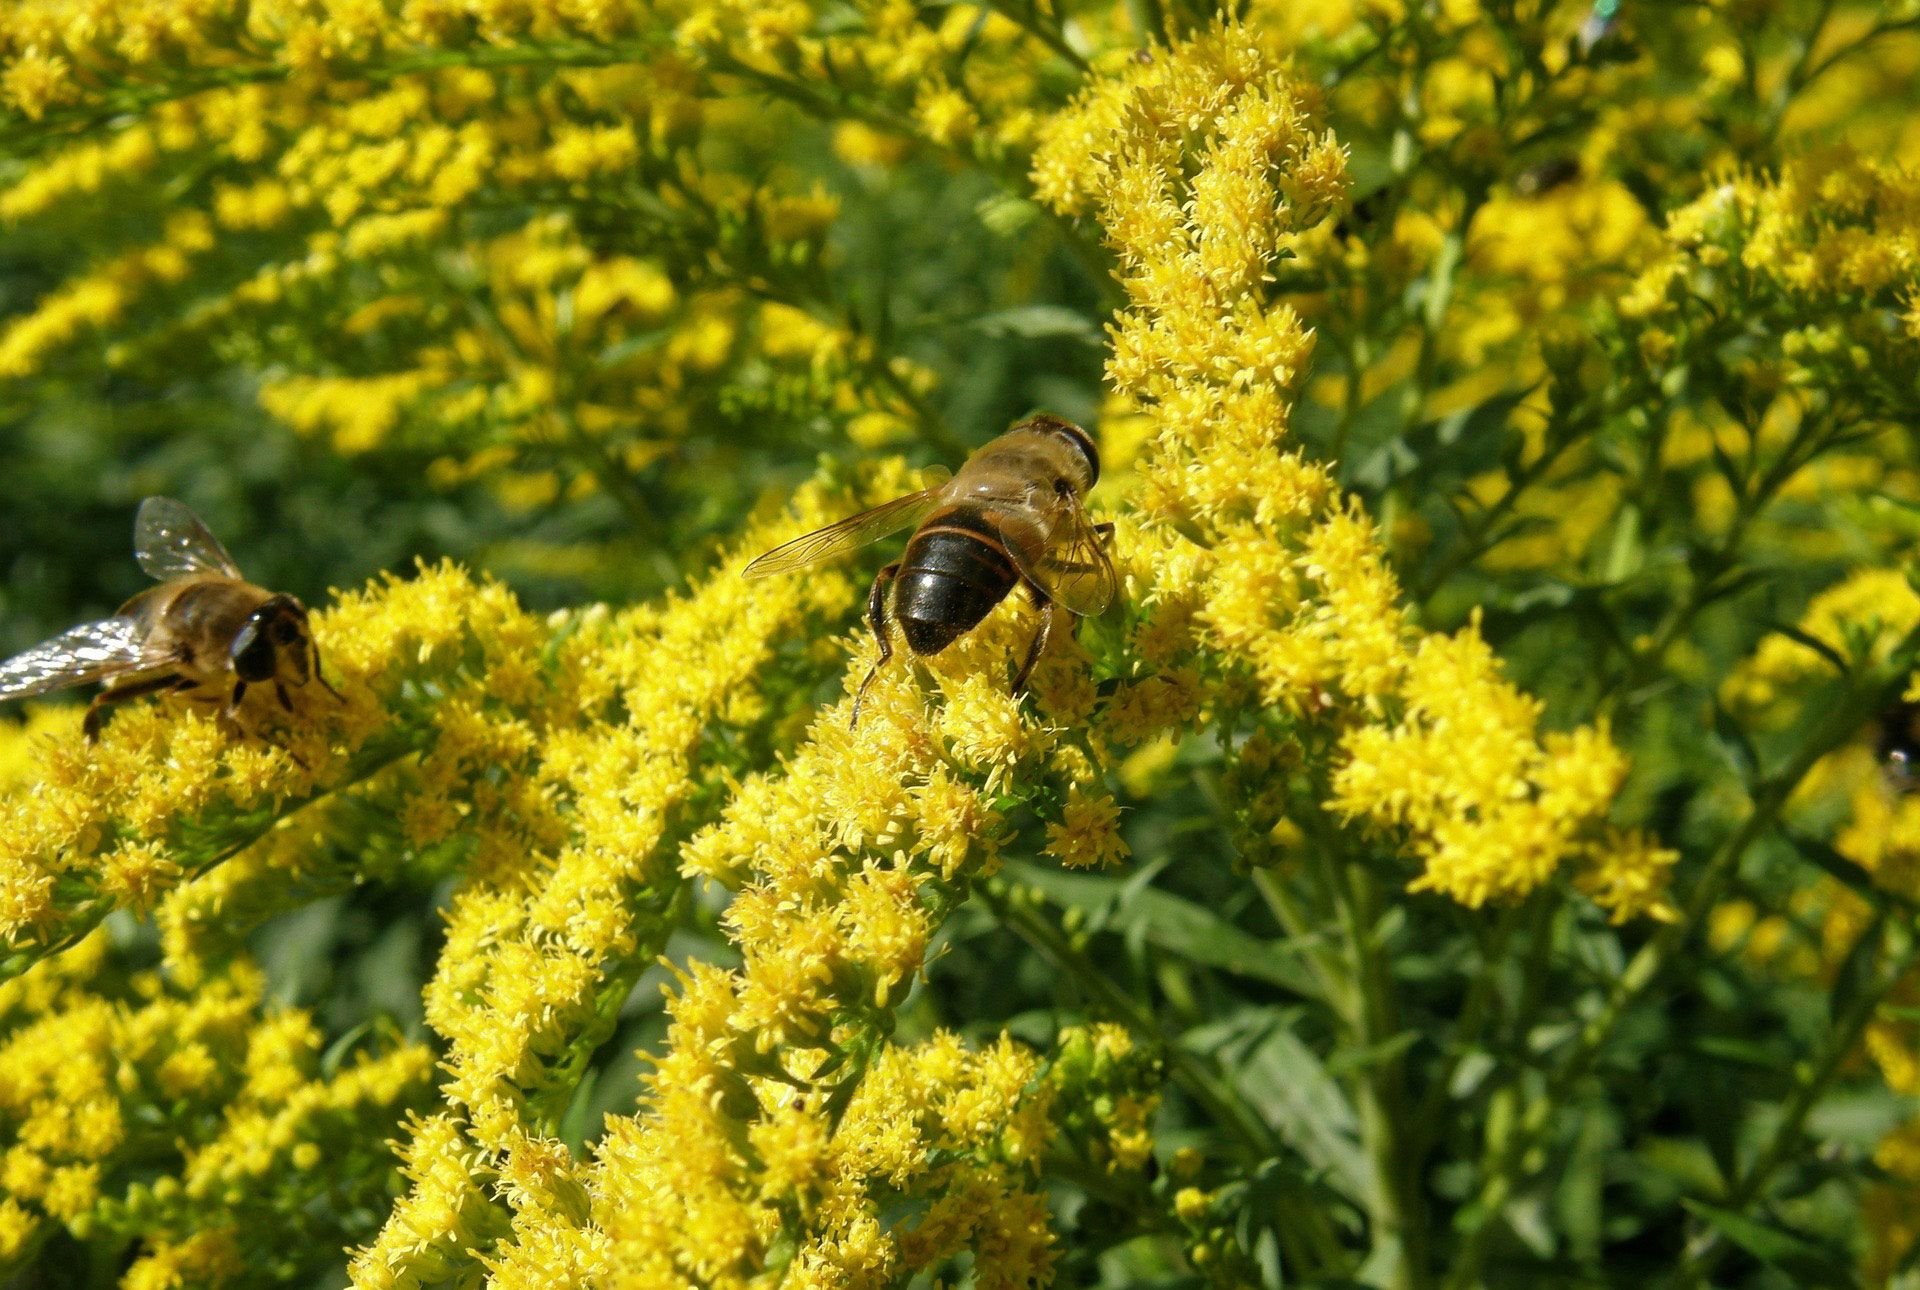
x=1287 y=583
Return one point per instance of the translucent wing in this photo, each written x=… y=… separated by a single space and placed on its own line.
x=170 y=541
x=849 y=534
x=88 y=653
x=1075 y=571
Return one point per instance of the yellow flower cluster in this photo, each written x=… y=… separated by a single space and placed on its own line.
x=394 y=173
x=1828 y=250
x=780 y=1126
x=1859 y=619
x=960 y=1132
x=1202 y=166
x=1494 y=810
x=575 y=893
x=109 y=1076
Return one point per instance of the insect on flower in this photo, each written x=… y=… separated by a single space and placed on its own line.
x=204 y=631
x=1015 y=515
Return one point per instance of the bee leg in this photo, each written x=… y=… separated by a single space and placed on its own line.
x=313 y=661
x=97 y=710
x=280 y=693
x=233 y=702
x=876 y=619
x=1039 y=646
x=1104 y=531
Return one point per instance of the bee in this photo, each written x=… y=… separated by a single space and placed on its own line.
x=1898 y=747
x=204 y=631
x=1015 y=516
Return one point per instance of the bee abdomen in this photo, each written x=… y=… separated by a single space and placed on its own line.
x=954 y=571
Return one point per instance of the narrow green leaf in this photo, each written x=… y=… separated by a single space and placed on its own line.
x=1172 y=925
x=1038 y=322
x=1287 y=1083
x=1354 y=1059
x=1809 y=1262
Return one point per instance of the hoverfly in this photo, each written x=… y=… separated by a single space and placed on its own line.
x=1015 y=515
x=204 y=631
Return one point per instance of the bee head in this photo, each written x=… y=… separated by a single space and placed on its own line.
x=1061 y=428
x=275 y=631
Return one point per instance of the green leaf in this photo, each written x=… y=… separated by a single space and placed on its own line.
x=336 y=1054
x=1739 y=1051
x=1173 y=925
x=1802 y=1258
x=1457 y=446
x=1286 y=1082
x=1038 y=322
x=1353 y=1059
x=1857 y=975
x=577 y=1120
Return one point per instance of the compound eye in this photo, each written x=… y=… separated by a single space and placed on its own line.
x=252 y=654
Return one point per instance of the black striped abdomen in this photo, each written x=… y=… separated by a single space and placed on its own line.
x=954 y=571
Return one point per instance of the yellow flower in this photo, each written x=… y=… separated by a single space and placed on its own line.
x=35 y=81
x=1088 y=834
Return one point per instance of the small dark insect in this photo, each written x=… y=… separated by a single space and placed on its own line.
x=204 y=632
x=1363 y=213
x=1015 y=515
x=1899 y=745
x=1556 y=172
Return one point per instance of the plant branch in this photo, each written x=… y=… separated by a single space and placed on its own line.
x=1508 y=1163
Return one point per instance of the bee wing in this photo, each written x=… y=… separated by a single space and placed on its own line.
x=849 y=534
x=1075 y=571
x=87 y=653
x=169 y=541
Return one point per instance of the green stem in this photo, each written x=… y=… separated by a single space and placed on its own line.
x=1482 y=536
x=1052 y=37
x=1193 y=1074
x=1806 y=445
x=1303 y=929
x=1387 y=1130
x=824 y=106
x=1476 y=1014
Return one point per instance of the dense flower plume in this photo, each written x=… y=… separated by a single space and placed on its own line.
x=1505 y=419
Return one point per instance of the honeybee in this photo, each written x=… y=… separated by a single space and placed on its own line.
x=1015 y=515
x=204 y=631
